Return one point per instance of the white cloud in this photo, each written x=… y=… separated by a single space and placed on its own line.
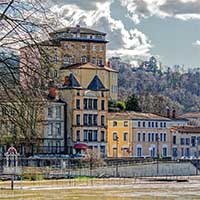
x=197 y=43
x=180 y=9
x=126 y=43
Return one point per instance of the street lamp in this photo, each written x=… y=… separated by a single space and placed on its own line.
x=157 y=163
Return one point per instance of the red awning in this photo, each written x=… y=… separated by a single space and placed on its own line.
x=80 y=146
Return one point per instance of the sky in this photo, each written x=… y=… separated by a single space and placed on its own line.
x=138 y=29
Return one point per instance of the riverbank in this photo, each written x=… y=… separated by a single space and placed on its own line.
x=95 y=182
x=112 y=189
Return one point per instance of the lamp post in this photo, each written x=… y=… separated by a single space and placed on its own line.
x=117 y=143
x=157 y=163
x=197 y=154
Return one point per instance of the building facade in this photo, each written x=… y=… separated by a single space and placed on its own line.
x=134 y=134
x=185 y=142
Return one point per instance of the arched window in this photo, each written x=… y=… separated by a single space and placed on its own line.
x=83 y=59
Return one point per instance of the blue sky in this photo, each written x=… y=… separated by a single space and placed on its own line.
x=137 y=29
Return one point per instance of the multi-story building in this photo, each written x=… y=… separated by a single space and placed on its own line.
x=134 y=134
x=78 y=69
x=119 y=135
x=185 y=142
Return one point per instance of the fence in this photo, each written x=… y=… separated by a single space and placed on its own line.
x=50 y=168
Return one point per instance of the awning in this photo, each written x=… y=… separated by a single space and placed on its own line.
x=80 y=146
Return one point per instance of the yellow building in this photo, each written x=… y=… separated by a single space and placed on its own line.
x=141 y=134
x=119 y=135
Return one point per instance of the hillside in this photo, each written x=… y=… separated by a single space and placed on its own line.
x=181 y=90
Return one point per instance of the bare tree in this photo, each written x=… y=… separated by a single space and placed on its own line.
x=24 y=64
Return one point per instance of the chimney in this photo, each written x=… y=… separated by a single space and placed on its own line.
x=53 y=93
x=174 y=114
x=78 y=30
x=168 y=112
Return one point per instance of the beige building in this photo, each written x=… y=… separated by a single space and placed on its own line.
x=185 y=142
x=133 y=134
x=76 y=66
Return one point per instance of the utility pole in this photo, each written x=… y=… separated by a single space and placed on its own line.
x=117 y=143
x=197 y=154
x=157 y=163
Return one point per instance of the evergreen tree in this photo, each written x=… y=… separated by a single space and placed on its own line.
x=132 y=103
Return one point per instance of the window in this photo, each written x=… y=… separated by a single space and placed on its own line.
x=156 y=124
x=77 y=103
x=164 y=124
x=149 y=124
x=100 y=61
x=50 y=128
x=83 y=59
x=143 y=137
x=58 y=112
x=125 y=136
x=95 y=103
x=152 y=137
x=58 y=146
x=164 y=137
x=90 y=120
x=139 y=124
x=174 y=152
x=66 y=60
x=50 y=112
x=174 y=139
x=84 y=47
x=102 y=120
x=114 y=123
x=161 y=124
x=182 y=141
x=85 y=136
x=95 y=135
x=78 y=120
x=93 y=60
x=55 y=73
x=102 y=136
x=90 y=138
x=187 y=152
x=193 y=141
x=139 y=152
x=78 y=93
x=125 y=123
x=152 y=124
x=78 y=136
x=138 y=137
x=161 y=137
x=187 y=141
x=94 y=48
x=85 y=103
x=58 y=129
x=102 y=105
x=157 y=137
x=164 y=151
x=95 y=120
x=85 y=121
x=90 y=104
x=143 y=123
x=100 y=48
x=114 y=136
x=149 y=137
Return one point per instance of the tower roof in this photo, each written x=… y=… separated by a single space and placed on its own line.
x=71 y=81
x=96 y=84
